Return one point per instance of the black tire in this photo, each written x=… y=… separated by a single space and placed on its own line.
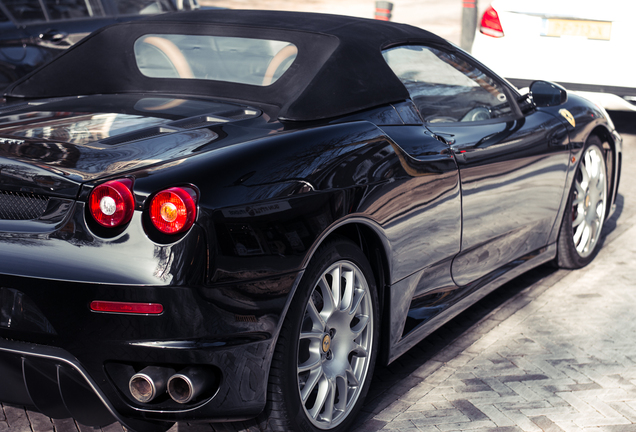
x=330 y=348
x=580 y=234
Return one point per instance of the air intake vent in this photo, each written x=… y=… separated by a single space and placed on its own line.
x=200 y=121
x=138 y=135
x=21 y=206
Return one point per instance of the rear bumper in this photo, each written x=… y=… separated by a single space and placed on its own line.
x=64 y=360
x=52 y=381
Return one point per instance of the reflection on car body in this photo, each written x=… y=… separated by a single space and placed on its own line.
x=212 y=218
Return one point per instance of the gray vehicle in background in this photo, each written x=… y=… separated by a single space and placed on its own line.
x=32 y=32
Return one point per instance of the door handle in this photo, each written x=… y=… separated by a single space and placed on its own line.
x=53 y=35
x=448 y=141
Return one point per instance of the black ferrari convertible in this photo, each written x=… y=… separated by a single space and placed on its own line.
x=232 y=216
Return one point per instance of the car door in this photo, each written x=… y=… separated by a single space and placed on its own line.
x=512 y=165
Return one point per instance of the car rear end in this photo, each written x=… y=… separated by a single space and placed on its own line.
x=104 y=259
x=583 y=45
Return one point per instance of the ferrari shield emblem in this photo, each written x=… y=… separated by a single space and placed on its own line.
x=326 y=343
x=568 y=116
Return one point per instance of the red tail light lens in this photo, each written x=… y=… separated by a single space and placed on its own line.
x=174 y=210
x=127 y=307
x=112 y=204
x=490 y=24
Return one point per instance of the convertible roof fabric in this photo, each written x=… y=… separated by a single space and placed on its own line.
x=339 y=68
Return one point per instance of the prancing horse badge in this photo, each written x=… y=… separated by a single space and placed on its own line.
x=568 y=116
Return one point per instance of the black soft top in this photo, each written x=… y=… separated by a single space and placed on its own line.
x=339 y=68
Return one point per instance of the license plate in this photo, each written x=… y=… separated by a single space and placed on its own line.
x=597 y=30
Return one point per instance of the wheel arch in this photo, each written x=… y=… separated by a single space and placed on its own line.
x=612 y=161
x=569 y=256
x=367 y=235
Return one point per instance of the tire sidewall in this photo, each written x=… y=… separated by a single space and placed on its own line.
x=568 y=256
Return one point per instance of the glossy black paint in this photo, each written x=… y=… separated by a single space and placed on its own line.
x=444 y=212
x=516 y=170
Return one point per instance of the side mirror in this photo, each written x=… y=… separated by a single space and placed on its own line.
x=546 y=94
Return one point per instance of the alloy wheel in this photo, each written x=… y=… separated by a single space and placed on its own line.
x=335 y=345
x=589 y=201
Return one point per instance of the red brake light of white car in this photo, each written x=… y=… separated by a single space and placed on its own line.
x=112 y=204
x=174 y=210
x=490 y=24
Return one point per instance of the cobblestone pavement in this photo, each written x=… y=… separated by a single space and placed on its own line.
x=560 y=355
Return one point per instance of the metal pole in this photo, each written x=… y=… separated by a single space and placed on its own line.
x=383 y=10
x=469 y=24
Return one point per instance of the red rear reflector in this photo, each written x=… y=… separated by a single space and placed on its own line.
x=126 y=307
x=174 y=210
x=490 y=24
x=112 y=204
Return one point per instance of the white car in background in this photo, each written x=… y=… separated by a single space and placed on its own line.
x=586 y=46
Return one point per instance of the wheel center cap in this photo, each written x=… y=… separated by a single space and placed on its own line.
x=326 y=343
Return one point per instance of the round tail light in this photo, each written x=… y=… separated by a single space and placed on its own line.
x=112 y=204
x=174 y=210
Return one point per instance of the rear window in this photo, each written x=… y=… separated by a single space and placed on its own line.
x=258 y=62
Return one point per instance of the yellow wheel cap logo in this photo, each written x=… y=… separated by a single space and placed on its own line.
x=326 y=343
x=568 y=116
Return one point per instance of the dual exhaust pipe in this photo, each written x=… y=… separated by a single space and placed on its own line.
x=182 y=387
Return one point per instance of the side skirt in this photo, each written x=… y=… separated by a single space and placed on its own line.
x=474 y=292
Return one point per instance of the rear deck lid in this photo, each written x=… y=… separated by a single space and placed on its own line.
x=50 y=147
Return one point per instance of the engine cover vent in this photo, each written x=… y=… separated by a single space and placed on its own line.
x=22 y=205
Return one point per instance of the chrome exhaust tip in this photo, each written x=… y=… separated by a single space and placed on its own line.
x=152 y=381
x=189 y=383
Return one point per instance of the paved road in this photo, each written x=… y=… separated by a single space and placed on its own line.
x=553 y=350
